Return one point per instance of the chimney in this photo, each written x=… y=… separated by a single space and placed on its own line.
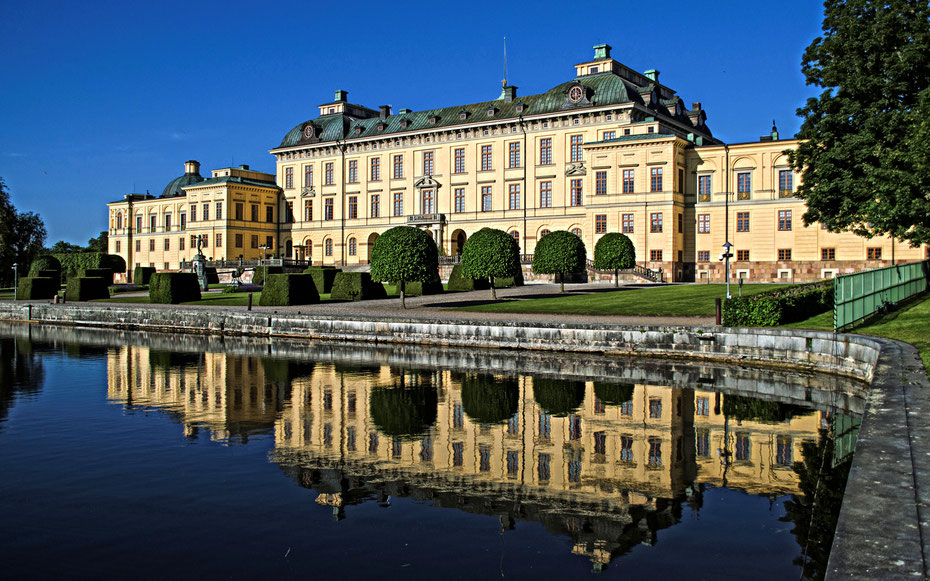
x=192 y=168
x=385 y=111
x=652 y=75
x=508 y=94
x=244 y=166
x=341 y=96
x=601 y=51
x=405 y=111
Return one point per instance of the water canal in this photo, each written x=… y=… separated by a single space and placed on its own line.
x=143 y=455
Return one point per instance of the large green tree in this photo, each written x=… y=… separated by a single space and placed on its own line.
x=22 y=235
x=614 y=251
x=404 y=254
x=560 y=253
x=865 y=149
x=490 y=253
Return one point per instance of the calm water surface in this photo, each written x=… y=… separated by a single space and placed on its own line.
x=144 y=456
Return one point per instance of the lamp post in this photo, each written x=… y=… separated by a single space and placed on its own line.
x=15 y=281
x=726 y=256
x=264 y=248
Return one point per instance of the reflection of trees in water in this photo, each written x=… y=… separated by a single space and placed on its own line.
x=406 y=410
x=741 y=408
x=559 y=397
x=614 y=393
x=814 y=512
x=487 y=400
x=21 y=372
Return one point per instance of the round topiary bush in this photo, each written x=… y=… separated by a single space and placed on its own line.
x=614 y=393
x=489 y=401
x=558 y=397
x=490 y=254
x=614 y=251
x=561 y=253
x=403 y=412
x=403 y=254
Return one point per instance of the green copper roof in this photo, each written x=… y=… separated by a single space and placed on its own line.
x=237 y=180
x=173 y=188
x=637 y=137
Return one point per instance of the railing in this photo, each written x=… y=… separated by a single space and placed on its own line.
x=251 y=263
x=454 y=259
x=641 y=271
x=861 y=294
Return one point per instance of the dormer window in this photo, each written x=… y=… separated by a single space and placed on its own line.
x=358 y=130
x=520 y=107
x=491 y=111
x=404 y=123
x=433 y=119
x=380 y=126
x=463 y=115
x=592 y=71
x=331 y=110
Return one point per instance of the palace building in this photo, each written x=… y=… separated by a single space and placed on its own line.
x=610 y=150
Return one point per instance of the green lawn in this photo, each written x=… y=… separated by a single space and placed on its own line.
x=821 y=322
x=692 y=300
x=910 y=323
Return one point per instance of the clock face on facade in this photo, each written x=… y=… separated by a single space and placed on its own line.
x=308 y=131
x=575 y=94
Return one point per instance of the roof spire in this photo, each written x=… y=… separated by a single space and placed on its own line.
x=504 y=81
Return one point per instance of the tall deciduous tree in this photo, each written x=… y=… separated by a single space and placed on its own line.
x=404 y=254
x=560 y=253
x=22 y=235
x=614 y=251
x=490 y=253
x=864 y=158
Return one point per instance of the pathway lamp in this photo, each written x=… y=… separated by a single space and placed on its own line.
x=264 y=248
x=15 y=281
x=727 y=255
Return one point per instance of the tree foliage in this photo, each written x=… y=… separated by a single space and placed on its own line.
x=490 y=253
x=403 y=254
x=404 y=412
x=22 y=235
x=559 y=397
x=614 y=251
x=864 y=160
x=559 y=252
x=487 y=400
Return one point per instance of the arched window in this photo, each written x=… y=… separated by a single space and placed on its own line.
x=515 y=235
x=328 y=247
x=352 y=247
x=119 y=221
x=576 y=232
x=543 y=232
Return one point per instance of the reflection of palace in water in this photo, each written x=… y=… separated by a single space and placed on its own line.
x=609 y=475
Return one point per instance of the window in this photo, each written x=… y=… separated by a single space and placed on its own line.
x=785 y=183
x=289 y=178
x=514 y=196
x=783 y=456
x=575 y=189
x=742 y=221
x=485 y=158
x=353 y=171
x=655 y=255
x=398 y=167
x=428 y=163
x=255 y=212
x=428 y=202
x=655 y=222
x=543 y=470
x=575 y=144
x=485 y=198
x=655 y=179
x=375 y=205
x=626 y=224
x=513 y=159
x=353 y=207
x=269 y=242
x=308 y=176
x=609 y=135
x=515 y=234
x=703 y=223
x=219 y=210
x=328 y=174
x=742 y=255
x=600 y=182
x=545 y=151
x=784 y=254
x=167 y=244
x=543 y=232
x=828 y=254
x=703 y=256
x=873 y=253
x=138 y=245
x=627 y=181
x=375 y=169
x=743 y=185
x=576 y=232
x=254 y=241
x=545 y=194
x=743 y=447
x=152 y=245
x=308 y=210
x=328 y=247
x=655 y=450
x=269 y=214
x=704 y=188
x=655 y=408
x=219 y=240
x=353 y=247
x=238 y=240
x=153 y=223
x=180 y=243
x=328 y=209
x=513 y=463
x=459 y=200
x=681 y=223
x=398 y=203
x=600 y=223
x=784 y=220
x=139 y=223
x=239 y=212
x=117 y=245
x=626 y=448
x=206 y=211
x=289 y=208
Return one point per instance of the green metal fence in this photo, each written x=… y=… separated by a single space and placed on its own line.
x=859 y=295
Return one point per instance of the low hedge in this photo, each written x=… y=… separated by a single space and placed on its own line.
x=104 y=273
x=44 y=262
x=53 y=274
x=87 y=288
x=356 y=286
x=37 y=287
x=460 y=282
x=415 y=288
x=509 y=281
x=282 y=290
x=323 y=277
x=142 y=274
x=779 y=307
x=171 y=288
x=212 y=276
x=262 y=271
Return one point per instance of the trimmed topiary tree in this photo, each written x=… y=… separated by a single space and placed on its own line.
x=53 y=274
x=323 y=277
x=558 y=397
x=262 y=271
x=489 y=401
x=356 y=286
x=404 y=254
x=614 y=251
x=403 y=412
x=282 y=290
x=490 y=253
x=87 y=288
x=37 y=287
x=211 y=275
x=172 y=288
x=460 y=282
x=142 y=274
x=104 y=273
x=44 y=262
x=560 y=253
x=614 y=393
x=75 y=263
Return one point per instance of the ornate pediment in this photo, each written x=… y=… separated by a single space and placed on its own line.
x=307 y=192
x=426 y=182
x=576 y=169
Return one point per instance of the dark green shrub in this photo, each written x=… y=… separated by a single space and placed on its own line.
x=104 y=273
x=82 y=288
x=779 y=307
x=173 y=287
x=75 y=263
x=460 y=282
x=403 y=412
x=614 y=251
x=323 y=277
x=212 y=276
x=356 y=286
x=741 y=408
x=282 y=290
x=285 y=371
x=558 y=397
x=44 y=262
x=561 y=253
x=489 y=401
x=492 y=254
x=614 y=393
x=142 y=274
x=431 y=287
x=262 y=271
x=509 y=281
x=53 y=274
x=404 y=254
x=178 y=360
x=37 y=287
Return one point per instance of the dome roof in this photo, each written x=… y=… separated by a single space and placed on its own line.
x=191 y=176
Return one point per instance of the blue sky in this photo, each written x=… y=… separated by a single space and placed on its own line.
x=100 y=99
